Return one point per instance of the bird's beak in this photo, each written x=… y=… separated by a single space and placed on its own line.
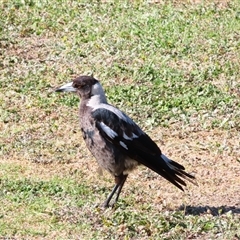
x=66 y=88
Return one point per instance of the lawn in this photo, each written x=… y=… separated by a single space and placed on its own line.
x=173 y=66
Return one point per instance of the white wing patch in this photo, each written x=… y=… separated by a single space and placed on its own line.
x=125 y=136
x=123 y=145
x=108 y=130
x=134 y=135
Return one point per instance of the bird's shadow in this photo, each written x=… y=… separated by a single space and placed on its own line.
x=214 y=211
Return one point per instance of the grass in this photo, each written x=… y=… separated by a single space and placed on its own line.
x=173 y=66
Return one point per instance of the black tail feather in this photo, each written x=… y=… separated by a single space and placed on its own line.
x=171 y=171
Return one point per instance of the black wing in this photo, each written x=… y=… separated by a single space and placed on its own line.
x=123 y=132
x=117 y=128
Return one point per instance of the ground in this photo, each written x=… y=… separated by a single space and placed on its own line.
x=172 y=66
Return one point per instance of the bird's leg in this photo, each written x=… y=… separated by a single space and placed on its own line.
x=123 y=180
x=106 y=202
x=119 y=180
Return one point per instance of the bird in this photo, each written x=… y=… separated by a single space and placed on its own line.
x=118 y=144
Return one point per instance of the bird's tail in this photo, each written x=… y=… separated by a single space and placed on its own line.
x=175 y=173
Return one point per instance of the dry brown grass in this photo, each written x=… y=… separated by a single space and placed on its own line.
x=175 y=50
x=212 y=156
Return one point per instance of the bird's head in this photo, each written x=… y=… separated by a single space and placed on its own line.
x=85 y=86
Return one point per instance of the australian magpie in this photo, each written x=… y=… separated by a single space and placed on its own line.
x=116 y=141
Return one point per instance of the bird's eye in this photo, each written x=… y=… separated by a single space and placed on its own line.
x=76 y=85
